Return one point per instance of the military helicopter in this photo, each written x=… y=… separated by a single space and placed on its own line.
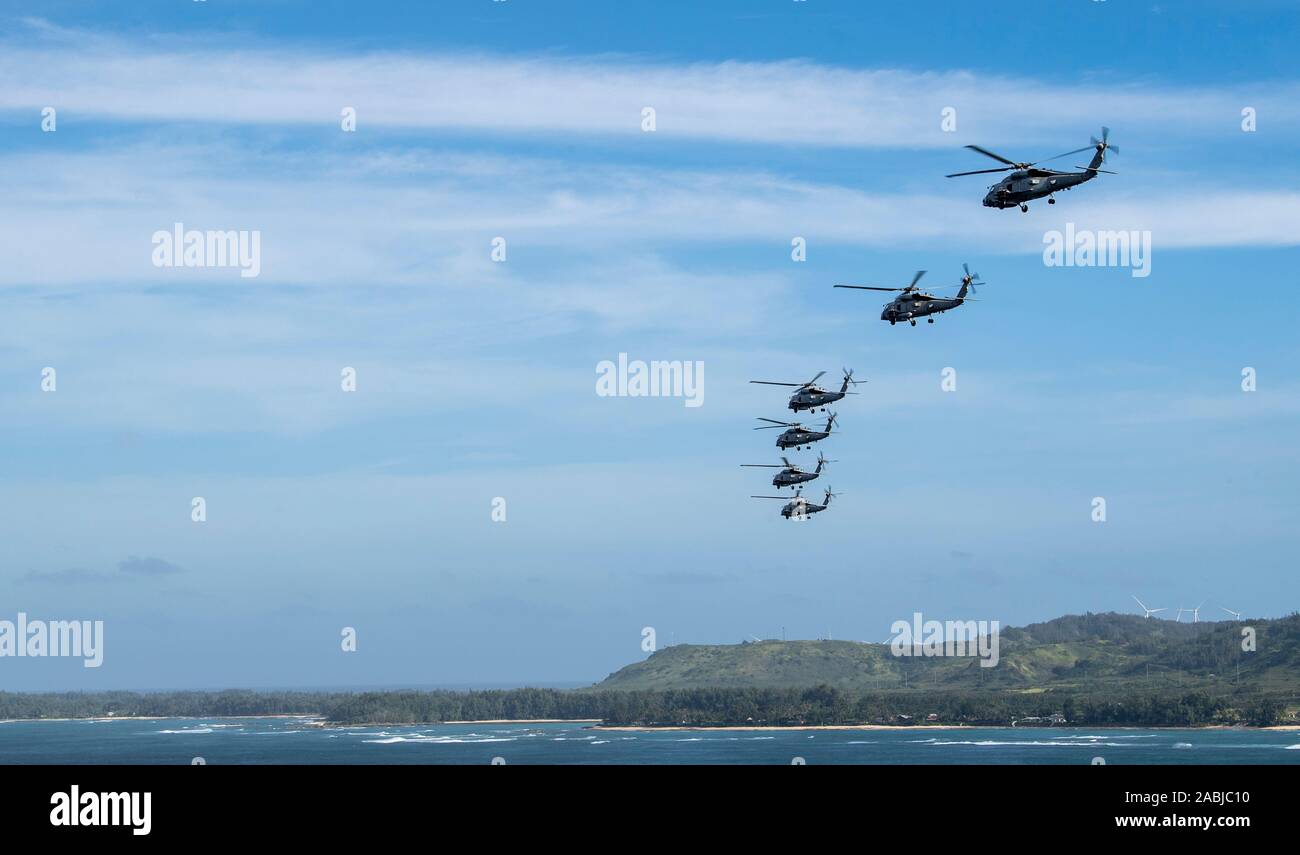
x=1028 y=181
x=796 y=435
x=801 y=508
x=810 y=396
x=791 y=474
x=914 y=303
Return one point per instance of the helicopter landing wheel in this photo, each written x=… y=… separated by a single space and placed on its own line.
x=1024 y=209
x=1051 y=201
x=931 y=320
x=913 y=323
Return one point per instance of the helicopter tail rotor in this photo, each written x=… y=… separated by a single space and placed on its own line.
x=968 y=282
x=1102 y=146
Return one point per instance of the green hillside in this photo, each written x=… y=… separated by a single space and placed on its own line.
x=1076 y=652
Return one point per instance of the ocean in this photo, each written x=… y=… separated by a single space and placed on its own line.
x=299 y=741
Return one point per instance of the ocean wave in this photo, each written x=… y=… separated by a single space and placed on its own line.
x=983 y=743
x=187 y=730
x=1114 y=736
x=436 y=740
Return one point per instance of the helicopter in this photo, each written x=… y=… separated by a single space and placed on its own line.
x=914 y=303
x=810 y=396
x=800 y=508
x=791 y=474
x=796 y=435
x=1029 y=181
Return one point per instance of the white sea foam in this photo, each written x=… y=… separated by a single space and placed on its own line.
x=993 y=743
x=436 y=740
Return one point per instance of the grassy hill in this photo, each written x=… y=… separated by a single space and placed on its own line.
x=1076 y=652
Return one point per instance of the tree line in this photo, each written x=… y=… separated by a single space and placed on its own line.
x=822 y=705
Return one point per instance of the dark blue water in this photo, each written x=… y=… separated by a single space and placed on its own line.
x=297 y=740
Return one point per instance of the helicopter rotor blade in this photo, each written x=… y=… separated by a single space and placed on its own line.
x=1093 y=169
x=775 y=422
x=814 y=380
x=915 y=279
x=868 y=288
x=979 y=172
x=996 y=157
x=774 y=383
x=1104 y=142
x=1059 y=156
x=763 y=465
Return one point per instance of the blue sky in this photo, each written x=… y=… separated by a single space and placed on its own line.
x=477 y=379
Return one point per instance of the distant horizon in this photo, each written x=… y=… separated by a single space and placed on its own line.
x=482 y=686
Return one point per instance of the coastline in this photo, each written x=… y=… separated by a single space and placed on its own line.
x=915 y=727
x=318 y=720
x=159 y=717
x=789 y=727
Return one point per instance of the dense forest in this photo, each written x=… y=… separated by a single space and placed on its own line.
x=760 y=707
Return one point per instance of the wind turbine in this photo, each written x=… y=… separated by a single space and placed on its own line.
x=1149 y=612
x=1236 y=615
x=1179 y=619
x=1196 y=613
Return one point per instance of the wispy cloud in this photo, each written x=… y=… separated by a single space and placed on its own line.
x=791 y=102
x=130 y=567
x=135 y=566
x=341 y=223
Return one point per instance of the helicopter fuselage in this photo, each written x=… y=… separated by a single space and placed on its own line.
x=908 y=307
x=812 y=398
x=1024 y=185
x=801 y=508
x=790 y=477
x=794 y=437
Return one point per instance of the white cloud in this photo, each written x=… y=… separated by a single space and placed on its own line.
x=381 y=220
x=799 y=102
